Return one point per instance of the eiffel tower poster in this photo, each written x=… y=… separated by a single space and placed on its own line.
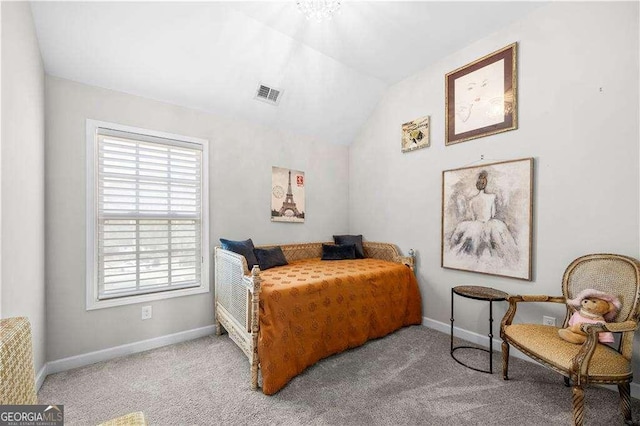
x=287 y=195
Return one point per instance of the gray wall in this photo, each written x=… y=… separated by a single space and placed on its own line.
x=1 y=163
x=584 y=140
x=23 y=283
x=241 y=156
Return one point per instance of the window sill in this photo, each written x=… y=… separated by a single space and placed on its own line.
x=93 y=304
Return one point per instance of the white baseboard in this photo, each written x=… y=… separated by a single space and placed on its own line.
x=483 y=340
x=82 y=360
x=42 y=374
x=470 y=336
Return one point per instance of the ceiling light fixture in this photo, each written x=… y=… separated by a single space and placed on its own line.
x=318 y=10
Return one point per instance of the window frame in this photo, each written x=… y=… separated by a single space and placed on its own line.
x=92 y=291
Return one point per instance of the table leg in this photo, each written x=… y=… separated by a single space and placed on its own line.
x=491 y=337
x=451 y=350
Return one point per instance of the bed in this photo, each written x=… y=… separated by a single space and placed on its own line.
x=287 y=318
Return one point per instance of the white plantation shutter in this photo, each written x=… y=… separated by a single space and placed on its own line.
x=149 y=214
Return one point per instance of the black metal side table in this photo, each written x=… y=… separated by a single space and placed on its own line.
x=478 y=293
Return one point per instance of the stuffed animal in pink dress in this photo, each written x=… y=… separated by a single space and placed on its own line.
x=593 y=307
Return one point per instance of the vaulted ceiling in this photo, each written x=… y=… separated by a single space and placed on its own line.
x=212 y=56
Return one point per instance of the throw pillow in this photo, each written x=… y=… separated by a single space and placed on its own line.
x=244 y=248
x=270 y=257
x=351 y=239
x=338 y=252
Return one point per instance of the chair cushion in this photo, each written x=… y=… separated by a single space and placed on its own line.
x=544 y=342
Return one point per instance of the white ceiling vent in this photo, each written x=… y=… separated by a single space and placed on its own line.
x=268 y=94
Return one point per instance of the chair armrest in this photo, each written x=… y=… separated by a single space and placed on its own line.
x=580 y=363
x=613 y=327
x=515 y=299
x=582 y=359
x=536 y=298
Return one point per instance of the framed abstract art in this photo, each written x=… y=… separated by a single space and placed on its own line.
x=481 y=97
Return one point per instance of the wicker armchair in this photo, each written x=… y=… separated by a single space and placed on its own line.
x=591 y=362
x=17 y=376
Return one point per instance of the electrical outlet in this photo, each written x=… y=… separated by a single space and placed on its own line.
x=549 y=321
x=146 y=312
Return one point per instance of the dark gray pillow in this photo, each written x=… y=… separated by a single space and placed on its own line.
x=270 y=257
x=245 y=248
x=351 y=239
x=338 y=252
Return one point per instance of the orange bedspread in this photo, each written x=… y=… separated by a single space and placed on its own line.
x=311 y=309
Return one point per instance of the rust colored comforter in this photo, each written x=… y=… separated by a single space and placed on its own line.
x=311 y=309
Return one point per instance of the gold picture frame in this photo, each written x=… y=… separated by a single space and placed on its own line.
x=487 y=219
x=481 y=97
x=415 y=134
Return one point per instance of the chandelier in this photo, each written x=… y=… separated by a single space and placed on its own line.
x=318 y=10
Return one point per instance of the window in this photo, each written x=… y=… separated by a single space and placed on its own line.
x=147 y=221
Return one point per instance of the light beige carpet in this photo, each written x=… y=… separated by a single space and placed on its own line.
x=407 y=378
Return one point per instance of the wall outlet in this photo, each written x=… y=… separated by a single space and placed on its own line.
x=146 y=312
x=549 y=321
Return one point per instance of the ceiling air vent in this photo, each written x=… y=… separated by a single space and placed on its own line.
x=268 y=94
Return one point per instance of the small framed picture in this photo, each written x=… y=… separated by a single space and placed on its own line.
x=415 y=134
x=287 y=195
x=481 y=97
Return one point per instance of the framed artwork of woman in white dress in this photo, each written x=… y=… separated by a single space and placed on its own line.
x=487 y=218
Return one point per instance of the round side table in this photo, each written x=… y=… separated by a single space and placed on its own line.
x=478 y=293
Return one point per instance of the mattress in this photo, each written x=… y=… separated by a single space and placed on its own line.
x=311 y=309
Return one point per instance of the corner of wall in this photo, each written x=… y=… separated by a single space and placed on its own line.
x=1 y=160
x=22 y=160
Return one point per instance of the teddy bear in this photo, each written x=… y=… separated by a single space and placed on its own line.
x=593 y=307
